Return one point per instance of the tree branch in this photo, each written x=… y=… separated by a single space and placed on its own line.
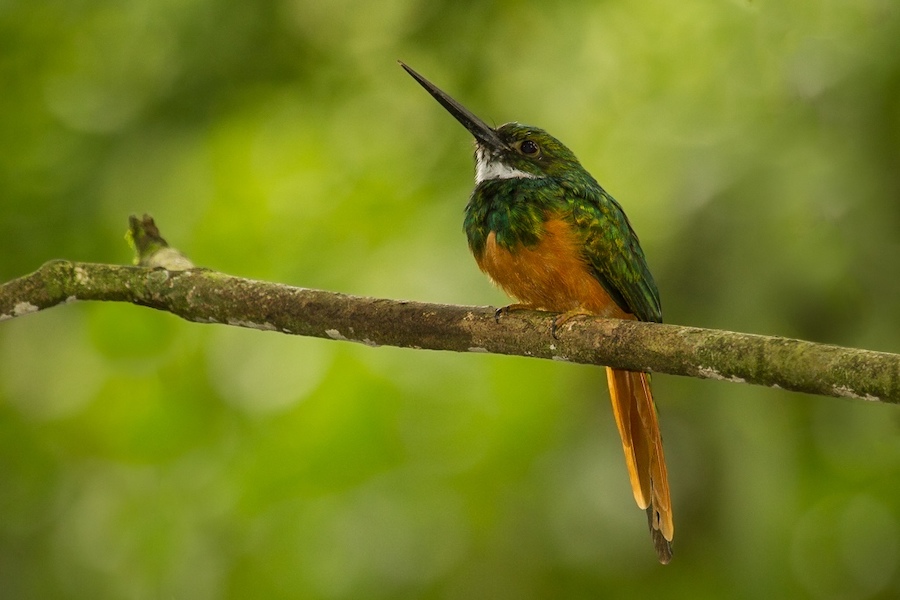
x=205 y=296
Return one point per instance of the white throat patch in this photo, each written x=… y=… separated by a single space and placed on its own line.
x=487 y=167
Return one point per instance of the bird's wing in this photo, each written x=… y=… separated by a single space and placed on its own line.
x=612 y=249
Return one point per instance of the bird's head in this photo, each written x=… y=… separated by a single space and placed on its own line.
x=510 y=151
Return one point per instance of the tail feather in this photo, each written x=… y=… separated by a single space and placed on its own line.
x=662 y=546
x=638 y=425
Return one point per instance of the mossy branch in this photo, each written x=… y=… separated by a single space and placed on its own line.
x=167 y=281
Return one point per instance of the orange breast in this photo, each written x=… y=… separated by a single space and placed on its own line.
x=551 y=275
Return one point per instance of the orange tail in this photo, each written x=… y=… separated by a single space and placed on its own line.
x=639 y=427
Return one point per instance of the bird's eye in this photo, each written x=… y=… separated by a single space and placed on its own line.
x=529 y=148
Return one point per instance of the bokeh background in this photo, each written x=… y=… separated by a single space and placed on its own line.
x=754 y=144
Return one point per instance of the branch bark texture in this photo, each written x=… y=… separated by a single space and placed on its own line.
x=205 y=296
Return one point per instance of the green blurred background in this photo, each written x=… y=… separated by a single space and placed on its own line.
x=754 y=144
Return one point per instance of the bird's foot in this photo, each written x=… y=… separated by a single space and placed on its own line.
x=505 y=310
x=565 y=318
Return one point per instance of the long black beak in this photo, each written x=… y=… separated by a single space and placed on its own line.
x=484 y=133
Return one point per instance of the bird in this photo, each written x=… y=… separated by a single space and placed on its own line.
x=545 y=232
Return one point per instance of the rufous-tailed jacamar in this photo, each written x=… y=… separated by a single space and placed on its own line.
x=542 y=228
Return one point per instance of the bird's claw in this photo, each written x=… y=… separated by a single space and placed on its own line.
x=553 y=328
x=505 y=310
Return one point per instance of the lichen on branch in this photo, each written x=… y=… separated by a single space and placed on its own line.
x=171 y=284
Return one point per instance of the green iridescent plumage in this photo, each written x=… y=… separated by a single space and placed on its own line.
x=554 y=184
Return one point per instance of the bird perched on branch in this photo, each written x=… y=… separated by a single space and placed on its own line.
x=543 y=229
